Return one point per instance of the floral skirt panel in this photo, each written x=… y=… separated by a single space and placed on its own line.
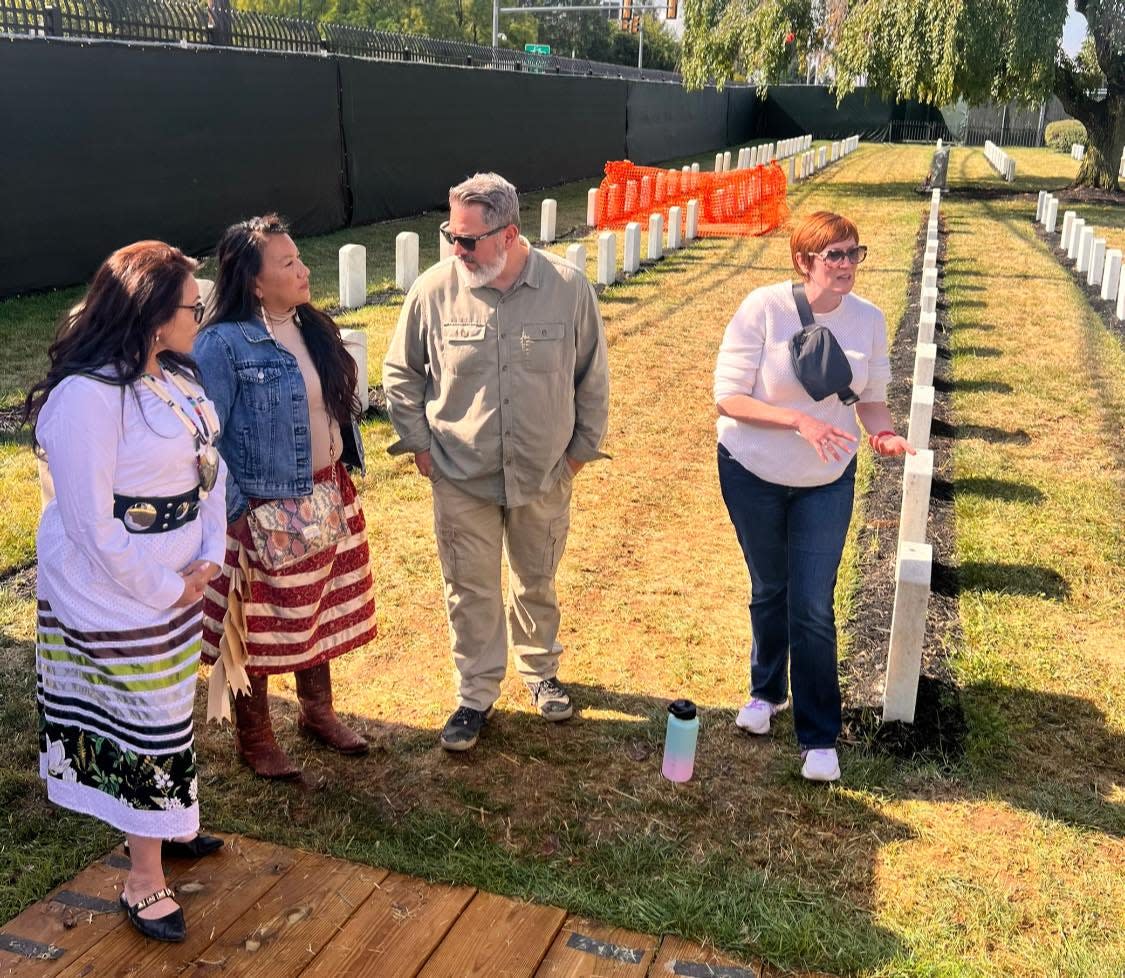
x=116 y=739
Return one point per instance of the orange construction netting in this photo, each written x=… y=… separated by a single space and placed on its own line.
x=733 y=203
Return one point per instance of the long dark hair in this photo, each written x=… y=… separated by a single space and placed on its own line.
x=234 y=300
x=109 y=335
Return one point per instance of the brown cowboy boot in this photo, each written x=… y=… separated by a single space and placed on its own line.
x=253 y=735
x=316 y=716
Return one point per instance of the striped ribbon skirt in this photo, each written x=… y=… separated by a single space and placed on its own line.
x=115 y=720
x=306 y=614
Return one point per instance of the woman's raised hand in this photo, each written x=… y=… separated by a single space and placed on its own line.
x=828 y=440
x=888 y=444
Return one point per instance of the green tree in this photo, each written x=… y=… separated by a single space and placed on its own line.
x=929 y=50
x=662 y=50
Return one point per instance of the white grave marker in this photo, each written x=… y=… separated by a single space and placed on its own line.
x=913 y=566
x=576 y=255
x=632 y=260
x=607 y=258
x=547 y=220
x=655 y=237
x=406 y=259
x=1111 y=275
x=921 y=417
x=675 y=228
x=917 y=475
x=355 y=342
x=353 y=276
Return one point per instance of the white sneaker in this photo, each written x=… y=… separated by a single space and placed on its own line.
x=820 y=765
x=755 y=716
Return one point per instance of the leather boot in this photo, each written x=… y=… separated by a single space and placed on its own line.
x=253 y=734
x=316 y=716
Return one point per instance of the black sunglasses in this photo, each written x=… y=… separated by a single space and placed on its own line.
x=468 y=241
x=198 y=310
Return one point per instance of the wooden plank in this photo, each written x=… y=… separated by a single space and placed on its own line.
x=65 y=928
x=212 y=891
x=584 y=949
x=394 y=932
x=280 y=934
x=496 y=938
x=686 y=959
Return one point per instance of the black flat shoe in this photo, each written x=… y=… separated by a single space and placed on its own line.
x=201 y=845
x=170 y=928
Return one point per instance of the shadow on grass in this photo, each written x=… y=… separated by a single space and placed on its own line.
x=981 y=432
x=532 y=813
x=1006 y=489
x=577 y=815
x=1029 y=580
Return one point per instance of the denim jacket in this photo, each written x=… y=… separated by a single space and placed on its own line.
x=258 y=391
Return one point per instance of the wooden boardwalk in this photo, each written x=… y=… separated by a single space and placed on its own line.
x=258 y=909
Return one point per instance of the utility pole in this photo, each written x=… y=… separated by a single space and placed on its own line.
x=495 y=27
x=641 y=43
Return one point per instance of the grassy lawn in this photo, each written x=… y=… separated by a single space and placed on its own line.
x=1009 y=864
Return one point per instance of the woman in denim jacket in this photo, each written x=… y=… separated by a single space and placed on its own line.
x=284 y=387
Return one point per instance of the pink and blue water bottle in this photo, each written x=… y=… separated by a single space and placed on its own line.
x=679 y=743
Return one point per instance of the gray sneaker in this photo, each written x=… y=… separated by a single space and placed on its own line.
x=462 y=730
x=551 y=700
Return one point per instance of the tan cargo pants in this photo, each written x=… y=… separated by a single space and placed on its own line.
x=471 y=533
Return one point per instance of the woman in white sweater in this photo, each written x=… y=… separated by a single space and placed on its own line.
x=787 y=472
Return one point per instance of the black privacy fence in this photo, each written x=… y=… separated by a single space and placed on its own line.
x=184 y=22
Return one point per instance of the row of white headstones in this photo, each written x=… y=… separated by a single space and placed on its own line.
x=1000 y=160
x=1078 y=239
x=1078 y=152
x=914 y=558
x=810 y=162
x=353 y=257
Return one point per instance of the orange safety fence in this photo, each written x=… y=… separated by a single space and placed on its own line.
x=738 y=202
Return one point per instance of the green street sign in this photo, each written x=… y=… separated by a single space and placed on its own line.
x=537 y=48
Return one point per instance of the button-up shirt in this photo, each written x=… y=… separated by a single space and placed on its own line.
x=500 y=387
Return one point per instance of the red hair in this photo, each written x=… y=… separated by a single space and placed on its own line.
x=815 y=232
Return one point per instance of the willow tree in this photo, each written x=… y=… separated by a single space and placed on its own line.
x=934 y=51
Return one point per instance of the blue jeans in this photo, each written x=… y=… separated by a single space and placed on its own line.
x=792 y=539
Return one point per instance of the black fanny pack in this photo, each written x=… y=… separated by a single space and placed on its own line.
x=818 y=361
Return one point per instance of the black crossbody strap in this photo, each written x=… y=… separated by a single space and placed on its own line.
x=804 y=310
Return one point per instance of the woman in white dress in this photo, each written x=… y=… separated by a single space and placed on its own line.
x=133 y=528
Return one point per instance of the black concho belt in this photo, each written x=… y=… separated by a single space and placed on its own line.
x=156 y=514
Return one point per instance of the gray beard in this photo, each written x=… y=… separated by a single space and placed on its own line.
x=482 y=274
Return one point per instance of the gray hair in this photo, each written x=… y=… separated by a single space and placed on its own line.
x=493 y=193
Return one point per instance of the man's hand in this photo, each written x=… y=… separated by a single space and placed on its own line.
x=575 y=467
x=425 y=464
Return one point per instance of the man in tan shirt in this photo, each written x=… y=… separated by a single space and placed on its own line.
x=497 y=383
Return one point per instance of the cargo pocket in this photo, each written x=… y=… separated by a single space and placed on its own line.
x=447 y=552
x=556 y=544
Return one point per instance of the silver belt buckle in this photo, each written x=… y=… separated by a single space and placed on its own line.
x=139 y=517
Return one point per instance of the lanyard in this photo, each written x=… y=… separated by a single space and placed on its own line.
x=206 y=425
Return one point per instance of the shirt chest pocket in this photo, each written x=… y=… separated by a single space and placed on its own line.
x=464 y=350
x=543 y=348
x=260 y=388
